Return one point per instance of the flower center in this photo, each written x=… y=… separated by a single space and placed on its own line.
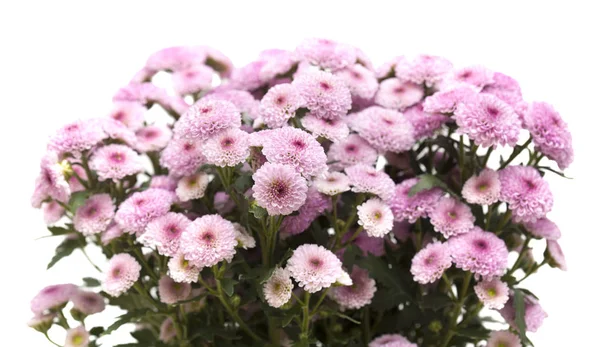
x=279 y=189
x=388 y=121
x=77 y=339
x=377 y=215
x=324 y=85
x=465 y=75
x=280 y=100
x=399 y=90
x=117 y=157
x=452 y=214
x=315 y=262
x=227 y=142
x=173 y=229
x=150 y=134
x=119 y=115
x=351 y=148
x=482 y=187
x=188 y=146
x=481 y=244
x=492 y=111
x=205 y=110
x=430 y=259
x=299 y=144
x=491 y=292
x=116 y=272
x=529 y=184
x=91 y=211
x=208 y=237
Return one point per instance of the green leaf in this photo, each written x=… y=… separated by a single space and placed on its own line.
x=144 y=336
x=90 y=282
x=341 y=315
x=519 y=305
x=478 y=333
x=561 y=174
x=129 y=317
x=436 y=301
x=427 y=182
x=96 y=331
x=242 y=183
x=64 y=250
x=228 y=284
x=257 y=211
x=380 y=271
x=266 y=276
x=77 y=199
x=288 y=317
x=56 y=231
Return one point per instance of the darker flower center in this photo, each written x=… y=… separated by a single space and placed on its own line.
x=315 y=262
x=279 y=189
x=465 y=75
x=188 y=146
x=325 y=85
x=529 y=184
x=227 y=142
x=119 y=115
x=280 y=100
x=205 y=110
x=117 y=157
x=116 y=272
x=299 y=144
x=492 y=111
x=480 y=244
x=351 y=148
x=482 y=187
x=399 y=90
x=150 y=134
x=91 y=211
x=208 y=237
x=173 y=229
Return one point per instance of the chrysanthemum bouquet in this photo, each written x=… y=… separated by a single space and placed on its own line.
x=305 y=199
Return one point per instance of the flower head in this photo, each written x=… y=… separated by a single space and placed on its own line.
x=396 y=94
x=503 y=338
x=115 y=162
x=51 y=297
x=192 y=187
x=543 y=228
x=123 y=271
x=77 y=337
x=164 y=232
x=350 y=151
x=361 y=81
x=446 y=101
x=550 y=133
x=76 y=137
x=168 y=331
x=492 y=293
x=555 y=254
x=314 y=267
x=141 y=208
x=411 y=208
x=228 y=148
x=207 y=118
x=534 y=313
x=152 y=138
x=243 y=100
x=451 y=217
x=482 y=189
x=375 y=217
x=182 y=157
x=182 y=270
x=193 y=79
x=325 y=95
x=326 y=53
x=208 y=240
x=391 y=340
x=244 y=239
x=527 y=193
x=480 y=252
x=131 y=114
x=333 y=183
x=279 y=189
x=385 y=130
x=88 y=302
x=53 y=212
x=488 y=121
x=359 y=294
x=477 y=76
x=424 y=69
x=278 y=288
x=280 y=104
x=110 y=234
x=429 y=264
x=316 y=203
x=51 y=182
x=94 y=216
x=332 y=129
x=424 y=124
x=171 y=292
x=366 y=179
x=165 y=182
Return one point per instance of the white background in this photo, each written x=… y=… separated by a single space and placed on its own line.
x=62 y=61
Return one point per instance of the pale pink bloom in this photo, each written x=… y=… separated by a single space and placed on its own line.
x=325 y=53
x=51 y=297
x=243 y=238
x=325 y=95
x=396 y=94
x=123 y=271
x=384 y=129
x=349 y=151
x=163 y=233
x=171 y=292
x=332 y=129
x=243 y=101
x=366 y=179
x=555 y=255
x=375 y=217
x=314 y=267
x=181 y=270
x=165 y=182
x=152 y=138
x=51 y=182
x=482 y=189
x=278 y=288
x=208 y=240
x=193 y=79
x=53 y=212
x=192 y=187
x=279 y=189
x=131 y=114
x=333 y=183
x=228 y=148
x=167 y=331
x=429 y=263
x=360 y=81
x=141 y=208
x=77 y=337
x=503 y=338
x=182 y=157
x=391 y=340
x=543 y=228
x=451 y=217
x=359 y=294
x=207 y=118
x=88 y=302
x=492 y=293
x=280 y=104
x=115 y=162
x=94 y=216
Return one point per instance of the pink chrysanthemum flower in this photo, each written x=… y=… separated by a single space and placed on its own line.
x=508 y=90
x=77 y=337
x=182 y=270
x=51 y=182
x=163 y=233
x=350 y=151
x=131 y=114
x=325 y=95
x=503 y=338
x=492 y=293
x=411 y=208
x=145 y=93
x=141 y=208
x=446 y=101
x=543 y=228
x=375 y=217
x=332 y=129
x=280 y=104
x=152 y=138
x=451 y=217
x=176 y=58
x=115 y=130
x=314 y=267
x=368 y=244
x=115 y=162
x=391 y=340
x=247 y=77
x=182 y=157
x=192 y=187
x=42 y=323
x=333 y=183
x=243 y=101
x=555 y=255
x=228 y=148
x=482 y=189
x=123 y=271
x=51 y=297
x=278 y=288
x=385 y=130
x=424 y=69
x=243 y=238
x=171 y=292
x=396 y=94
x=110 y=234
x=279 y=189
x=480 y=252
x=527 y=193
x=361 y=81
x=359 y=294
x=429 y=263
x=208 y=240
x=94 y=216
x=424 y=124
x=88 y=302
x=550 y=133
x=366 y=179
x=477 y=76
x=53 y=212
x=76 y=137
x=277 y=62
x=164 y=182
x=316 y=203
x=325 y=53
x=193 y=79
x=168 y=331
x=207 y=118
x=488 y=121
x=296 y=148
x=534 y=313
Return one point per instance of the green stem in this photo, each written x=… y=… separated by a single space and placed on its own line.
x=461 y=159
x=487 y=156
x=233 y=313
x=323 y=295
x=89 y=259
x=449 y=284
x=524 y=249
x=50 y=340
x=90 y=175
x=419 y=239
x=488 y=218
x=459 y=304
x=305 y=319
x=142 y=259
x=503 y=222
x=515 y=153
x=366 y=323
x=62 y=320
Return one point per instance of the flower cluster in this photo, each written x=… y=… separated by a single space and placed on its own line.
x=291 y=199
